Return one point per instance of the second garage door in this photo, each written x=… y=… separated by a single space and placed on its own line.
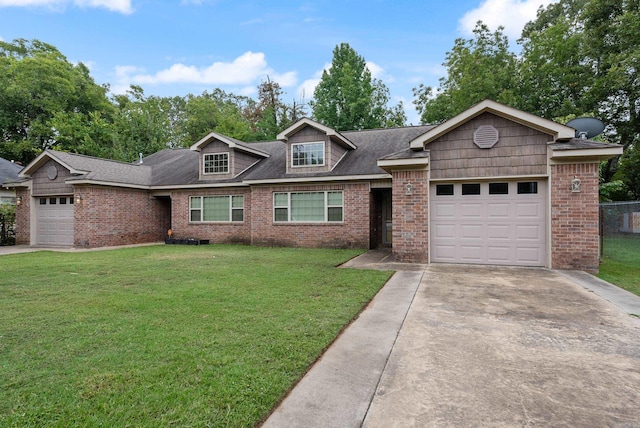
x=501 y=223
x=55 y=220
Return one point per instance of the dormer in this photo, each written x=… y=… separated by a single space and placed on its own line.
x=223 y=158
x=313 y=148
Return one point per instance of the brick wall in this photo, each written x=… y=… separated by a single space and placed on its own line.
x=109 y=216
x=410 y=219
x=574 y=217
x=353 y=232
x=23 y=217
x=232 y=232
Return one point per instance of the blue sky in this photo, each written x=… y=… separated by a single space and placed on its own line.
x=189 y=46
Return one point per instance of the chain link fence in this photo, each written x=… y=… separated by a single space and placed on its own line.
x=620 y=221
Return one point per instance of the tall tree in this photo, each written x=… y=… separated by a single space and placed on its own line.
x=478 y=68
x=347 y=97
x=40 y=93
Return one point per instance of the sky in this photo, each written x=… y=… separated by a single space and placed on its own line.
x=179 y=47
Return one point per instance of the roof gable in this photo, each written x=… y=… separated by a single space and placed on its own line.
x=231 y=142
x=559 y=132
x=304 y=122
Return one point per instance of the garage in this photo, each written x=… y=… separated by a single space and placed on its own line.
x=54 y=217
x=495 y=222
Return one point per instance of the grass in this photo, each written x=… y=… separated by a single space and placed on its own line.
x=621 y=262
x=167 y=335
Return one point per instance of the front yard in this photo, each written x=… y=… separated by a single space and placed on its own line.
x=167 y=335
x=621 y=262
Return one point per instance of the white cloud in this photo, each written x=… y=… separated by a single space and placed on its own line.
x=121 y=6
x=241 y=71
x=308 y=87
x=246 y=71
x=511 y=14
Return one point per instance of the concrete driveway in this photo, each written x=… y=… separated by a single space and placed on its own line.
x=487 y=346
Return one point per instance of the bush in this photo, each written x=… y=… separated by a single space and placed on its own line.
x=7 y=224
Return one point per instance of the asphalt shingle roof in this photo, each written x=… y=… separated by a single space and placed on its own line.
x=8 y=170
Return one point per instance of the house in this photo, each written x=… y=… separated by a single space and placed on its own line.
x=493 y=185
x=8 y=172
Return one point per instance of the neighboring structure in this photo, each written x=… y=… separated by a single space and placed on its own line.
x=493 y=185
x=8 y=172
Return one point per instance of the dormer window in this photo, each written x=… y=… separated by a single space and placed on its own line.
x=216 y=163
x=307 y=154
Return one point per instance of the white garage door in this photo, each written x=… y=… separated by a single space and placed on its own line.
x=500 y=223
x=54 y=220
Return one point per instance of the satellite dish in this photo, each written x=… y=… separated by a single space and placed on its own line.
x=586 y=127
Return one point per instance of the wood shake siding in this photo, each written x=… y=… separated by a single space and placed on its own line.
x=43 y=186
x=242 y=161
x=519 y=151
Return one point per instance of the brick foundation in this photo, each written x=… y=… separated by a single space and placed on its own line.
x=574 y=218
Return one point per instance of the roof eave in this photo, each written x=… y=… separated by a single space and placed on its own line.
x=585 y=155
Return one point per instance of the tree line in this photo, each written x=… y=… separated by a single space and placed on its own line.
x=578 y=58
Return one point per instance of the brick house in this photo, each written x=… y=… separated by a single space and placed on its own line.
x=493 y=185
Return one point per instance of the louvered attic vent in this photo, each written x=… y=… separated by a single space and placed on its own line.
x=485 y=137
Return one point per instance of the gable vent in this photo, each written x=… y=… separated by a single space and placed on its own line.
x=485 y=137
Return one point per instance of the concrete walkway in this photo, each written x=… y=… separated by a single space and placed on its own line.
x=452 y=345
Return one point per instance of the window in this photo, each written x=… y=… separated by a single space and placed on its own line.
x=307 y=154
x=63 y=201
x=52 y=201
x=313 y=207
x=498 y=188
x=216 y=208
x=444 y=189
x=216 y=163
x=527 y=187
x=471 y=188
x=43 y=201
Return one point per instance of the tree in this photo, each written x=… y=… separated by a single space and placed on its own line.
x=347 y=97
x=478 y=68
x=41 y=92
x=582 y=57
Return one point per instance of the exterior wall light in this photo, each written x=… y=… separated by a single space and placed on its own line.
x=575 y=185
x=19 y=200
x=409 y=189
x=78 y=198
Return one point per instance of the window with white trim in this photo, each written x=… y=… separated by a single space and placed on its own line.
x=308 y=207
x=307 y=154
x=216 y=163
x=229 y=208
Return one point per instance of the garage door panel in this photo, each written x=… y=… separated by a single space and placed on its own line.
x=471 y=211
x=529 y=232
x=498 y=210
x=505 y=229
x=498 y=231
x=471 y=253
x=471 y=231
x=444 y=231
x=498 y=254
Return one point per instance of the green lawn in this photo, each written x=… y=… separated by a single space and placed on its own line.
x=167 y=335
x=621 y=262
